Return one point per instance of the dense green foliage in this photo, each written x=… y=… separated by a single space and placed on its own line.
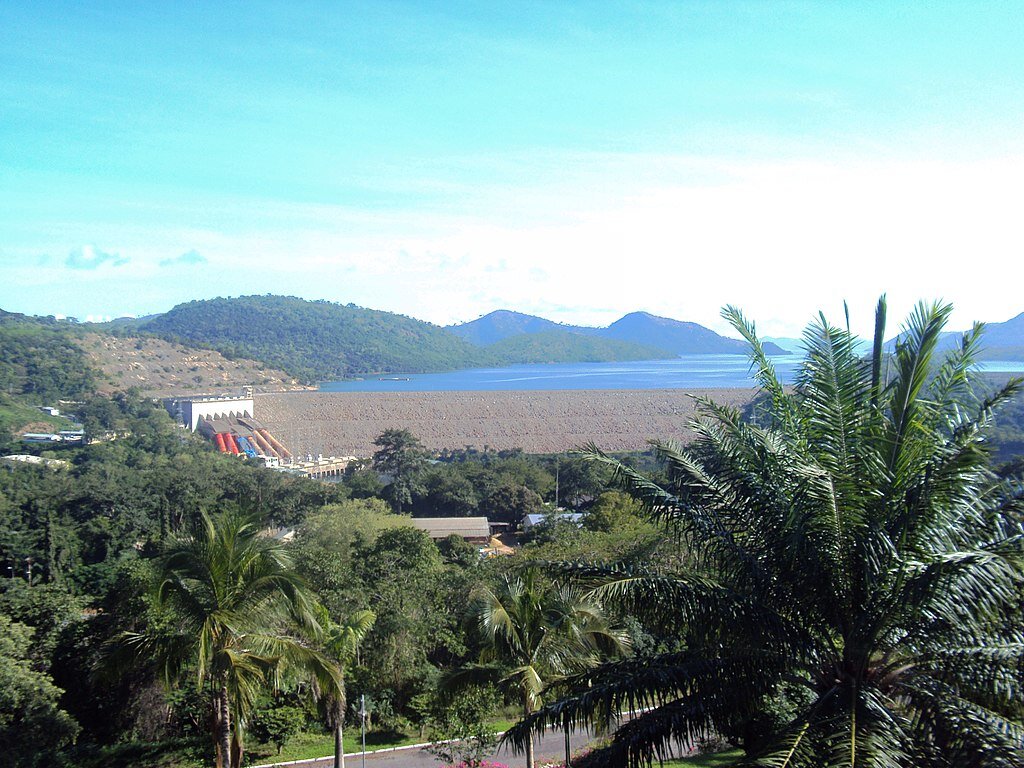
x=40 y=364
x=235 y=616
x=40 y=360
x=850 y=586
x=534 y=633
x=401 y=457
x=97 y=532
x=114 y=497
x=32 y=725
x=315 y=340
x=1007 y=434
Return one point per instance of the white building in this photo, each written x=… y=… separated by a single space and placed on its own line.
x=191 y=409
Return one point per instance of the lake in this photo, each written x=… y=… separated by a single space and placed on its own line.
x=687 y=372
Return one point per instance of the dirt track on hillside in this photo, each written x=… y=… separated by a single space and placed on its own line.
x=346 y=423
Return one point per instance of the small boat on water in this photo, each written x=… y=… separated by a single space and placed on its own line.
x=394 y=378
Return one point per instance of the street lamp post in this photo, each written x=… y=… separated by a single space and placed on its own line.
x=362 y=723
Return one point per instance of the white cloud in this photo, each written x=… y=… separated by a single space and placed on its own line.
x=89 y=257
x=189 y=258
x=594 y=237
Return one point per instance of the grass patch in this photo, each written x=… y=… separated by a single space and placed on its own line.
x=309 y=744
x=196 y=754
x=178 y=753
x=711 y=760
x=15 y=415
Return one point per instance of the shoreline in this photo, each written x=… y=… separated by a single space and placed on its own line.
x=537 y=421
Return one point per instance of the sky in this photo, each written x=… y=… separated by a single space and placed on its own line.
x=576 y=161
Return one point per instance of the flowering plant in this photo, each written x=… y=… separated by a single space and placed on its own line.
x=579 y=755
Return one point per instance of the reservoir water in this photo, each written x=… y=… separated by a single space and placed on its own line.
x=687 y=372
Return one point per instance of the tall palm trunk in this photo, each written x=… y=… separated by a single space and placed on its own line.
x=339 y=747
x=527 y=711
x=223 y=729
x=237 y=747
x=338 y=716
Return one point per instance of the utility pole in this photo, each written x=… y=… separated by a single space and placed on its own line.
x=557 y=466
x=362 y=723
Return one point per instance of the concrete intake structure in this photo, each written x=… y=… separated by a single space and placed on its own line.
x=190 y=410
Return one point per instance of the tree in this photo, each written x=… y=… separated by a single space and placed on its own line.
x=403 y=575
x=401 y=456
x=853 y=594
x=535 y=632
x=614 y=511
x=460 y=731
x=32 y=725
x=578 y=480
x=276 y=725
x=236 y=614
x=341 y=641
x=445 y=493
x=512 y=503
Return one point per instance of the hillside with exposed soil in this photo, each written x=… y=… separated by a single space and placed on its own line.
x=161 y=368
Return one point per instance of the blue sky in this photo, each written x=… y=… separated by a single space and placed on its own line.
x=573 y=160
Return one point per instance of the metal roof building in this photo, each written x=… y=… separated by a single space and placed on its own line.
x=475 y=529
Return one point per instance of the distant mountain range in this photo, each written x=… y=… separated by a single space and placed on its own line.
x=321 y=340
x=673 y=337
x=999 y=341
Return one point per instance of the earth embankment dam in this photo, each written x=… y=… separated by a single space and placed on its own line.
x=346 y=423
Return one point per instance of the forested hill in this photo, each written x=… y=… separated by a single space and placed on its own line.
x=315 y=340
x=678 y=336
x=40 y=361
x=40 y=364
x=670 y=337
x=504 y=324
x=321 y=341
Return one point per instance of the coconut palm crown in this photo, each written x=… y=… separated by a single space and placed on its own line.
x=852 y=587
x=535 y=632
x=237 y=616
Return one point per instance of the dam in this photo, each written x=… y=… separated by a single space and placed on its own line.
x=346 y=423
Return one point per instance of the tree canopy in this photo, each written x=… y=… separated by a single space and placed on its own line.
x=851 y=587
x=235 y=613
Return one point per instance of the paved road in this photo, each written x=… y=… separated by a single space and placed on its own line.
x=550 y=747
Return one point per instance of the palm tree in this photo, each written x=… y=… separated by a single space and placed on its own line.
x=537 y=632
x=341 y=641
x=853 y=587
x=236 y=615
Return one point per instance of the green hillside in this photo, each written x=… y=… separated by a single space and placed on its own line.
x=40 y=363
x=40 y=360
x=321 y=341
x=315 y=340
